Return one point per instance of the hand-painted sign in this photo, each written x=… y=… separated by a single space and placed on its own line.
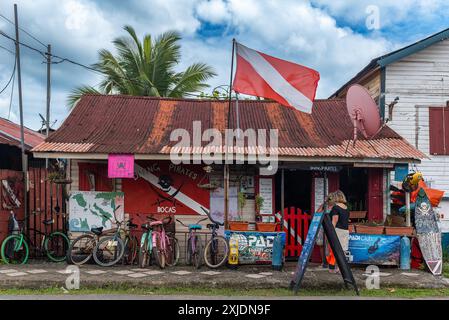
x=121 y=166
x=166 y=188
x=254 y=247
x=308 y=244
x=266 y=192
x=374 y=249
x=90 y=209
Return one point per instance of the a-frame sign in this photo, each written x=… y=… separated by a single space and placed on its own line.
x=321 y=218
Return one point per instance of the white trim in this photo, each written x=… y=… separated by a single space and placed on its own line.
x=275 y=80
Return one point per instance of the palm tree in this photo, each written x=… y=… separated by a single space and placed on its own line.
x=146 y=69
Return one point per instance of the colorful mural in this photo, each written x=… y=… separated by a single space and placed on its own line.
x=374 y=249
x=161 y=187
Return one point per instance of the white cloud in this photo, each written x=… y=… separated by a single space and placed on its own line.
x=213 y=11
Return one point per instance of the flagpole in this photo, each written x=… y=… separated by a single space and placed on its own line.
x=226 y=166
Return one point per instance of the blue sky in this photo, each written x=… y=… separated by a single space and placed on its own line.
x=331 y=36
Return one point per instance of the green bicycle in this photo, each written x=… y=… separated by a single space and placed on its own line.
x=15 y=248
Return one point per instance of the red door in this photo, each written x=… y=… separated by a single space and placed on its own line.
x=375 y=194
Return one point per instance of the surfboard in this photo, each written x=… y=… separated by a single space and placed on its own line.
x=428 y=233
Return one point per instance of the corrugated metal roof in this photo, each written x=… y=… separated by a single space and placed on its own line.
x=10 y=134
x=142 y=125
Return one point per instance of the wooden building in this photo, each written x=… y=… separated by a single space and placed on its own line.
x=313 y=152
x=417 y=77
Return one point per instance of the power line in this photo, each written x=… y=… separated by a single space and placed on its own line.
x=6 y=49
x=24 y=31
x=12 y=75
x=12 y=94
x=62 y=59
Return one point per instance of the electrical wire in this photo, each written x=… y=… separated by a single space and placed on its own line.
x=9 y=81
x=12 y=94
x=24 y=31
x=62 y=59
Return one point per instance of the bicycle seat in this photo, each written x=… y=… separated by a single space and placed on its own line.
x=195 y=227
x=145 y=226
x=97 y=230
x=48 y=222
x=155 y=223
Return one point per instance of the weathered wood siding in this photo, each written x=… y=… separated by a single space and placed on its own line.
x=420 y=80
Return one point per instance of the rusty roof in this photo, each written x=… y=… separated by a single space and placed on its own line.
x=142 y=125
x=10 y=134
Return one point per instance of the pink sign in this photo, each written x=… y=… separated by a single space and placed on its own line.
x=121 y=166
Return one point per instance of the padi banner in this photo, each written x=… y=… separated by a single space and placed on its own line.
x=374 y=249
x=255 y=247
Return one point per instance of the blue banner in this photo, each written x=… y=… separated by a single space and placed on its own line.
x=255 y=247
x=375 y=249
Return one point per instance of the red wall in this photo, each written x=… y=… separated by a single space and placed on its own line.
x=375 y=194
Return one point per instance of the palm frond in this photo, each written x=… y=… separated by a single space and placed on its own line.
x=77 y=93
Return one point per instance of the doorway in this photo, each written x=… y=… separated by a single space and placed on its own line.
x=354 y=184
x=297 y=189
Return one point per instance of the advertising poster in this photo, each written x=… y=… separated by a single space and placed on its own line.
x=374 y=249
x=254 y=247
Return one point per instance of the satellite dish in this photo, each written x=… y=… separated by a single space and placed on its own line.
x=363 y=111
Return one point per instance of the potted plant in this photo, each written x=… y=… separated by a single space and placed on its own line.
x=238 y=224
x=58 y=178
x=260 y=225
x=372 y=227
x=399 y=231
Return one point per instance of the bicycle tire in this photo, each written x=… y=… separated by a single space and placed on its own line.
x=64 y=241
x=117 y=253
x=197 y=256
x=208 y=254
x=158 y=255
x=11 y=241
x=130 y=250
x=85 y=252
x=144 y=256
x=172 y=252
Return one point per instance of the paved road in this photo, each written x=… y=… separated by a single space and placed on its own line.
x=191 y=297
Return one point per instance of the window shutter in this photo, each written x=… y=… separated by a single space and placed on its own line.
x=436 y=131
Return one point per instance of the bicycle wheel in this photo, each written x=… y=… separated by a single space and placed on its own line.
x=14 y=250
x=197 y=254
x=144 y=254
x=172 y=252
x=109 y=251
x=55 y=246
x=81 y=249
x=130 y=250
x=216 y=252
x=158 y=254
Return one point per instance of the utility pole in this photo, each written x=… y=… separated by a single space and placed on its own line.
x=22 y=133
x=47 y=118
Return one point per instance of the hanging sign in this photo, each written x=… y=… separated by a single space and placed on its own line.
x=121 y=166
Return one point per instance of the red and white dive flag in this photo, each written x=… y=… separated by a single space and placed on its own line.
x=265 y=76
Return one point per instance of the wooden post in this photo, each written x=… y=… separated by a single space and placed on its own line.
x=226 y=196
x=282 y=198
x=407 y=209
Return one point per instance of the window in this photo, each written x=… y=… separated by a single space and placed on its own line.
x=94 y=177
x=439 y=130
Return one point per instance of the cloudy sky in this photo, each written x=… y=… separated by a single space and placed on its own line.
x=335 y=37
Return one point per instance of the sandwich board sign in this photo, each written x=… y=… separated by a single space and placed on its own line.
x=322 y=219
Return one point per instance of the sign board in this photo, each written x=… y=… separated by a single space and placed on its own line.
x=121 y=166
x=217 y=204
x=374 y=249
x=255 y=247
x=323 y=219
x=266 y=192
x=308 y=244
x=89 y=209
x=400 y=172
x=162 y=187
x=319 y=192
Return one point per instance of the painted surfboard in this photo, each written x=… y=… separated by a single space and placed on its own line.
x=428 y=233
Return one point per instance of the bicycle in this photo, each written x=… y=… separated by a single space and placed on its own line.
x=157 y=243
x=217 y=248
x=194 y=244
x=15 y=247
x=109 y=250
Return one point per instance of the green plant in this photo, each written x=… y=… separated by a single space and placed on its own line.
x=259 y=202
x=241 y=199
x=146 y=68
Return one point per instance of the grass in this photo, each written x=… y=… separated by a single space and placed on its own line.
x=388 y=292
